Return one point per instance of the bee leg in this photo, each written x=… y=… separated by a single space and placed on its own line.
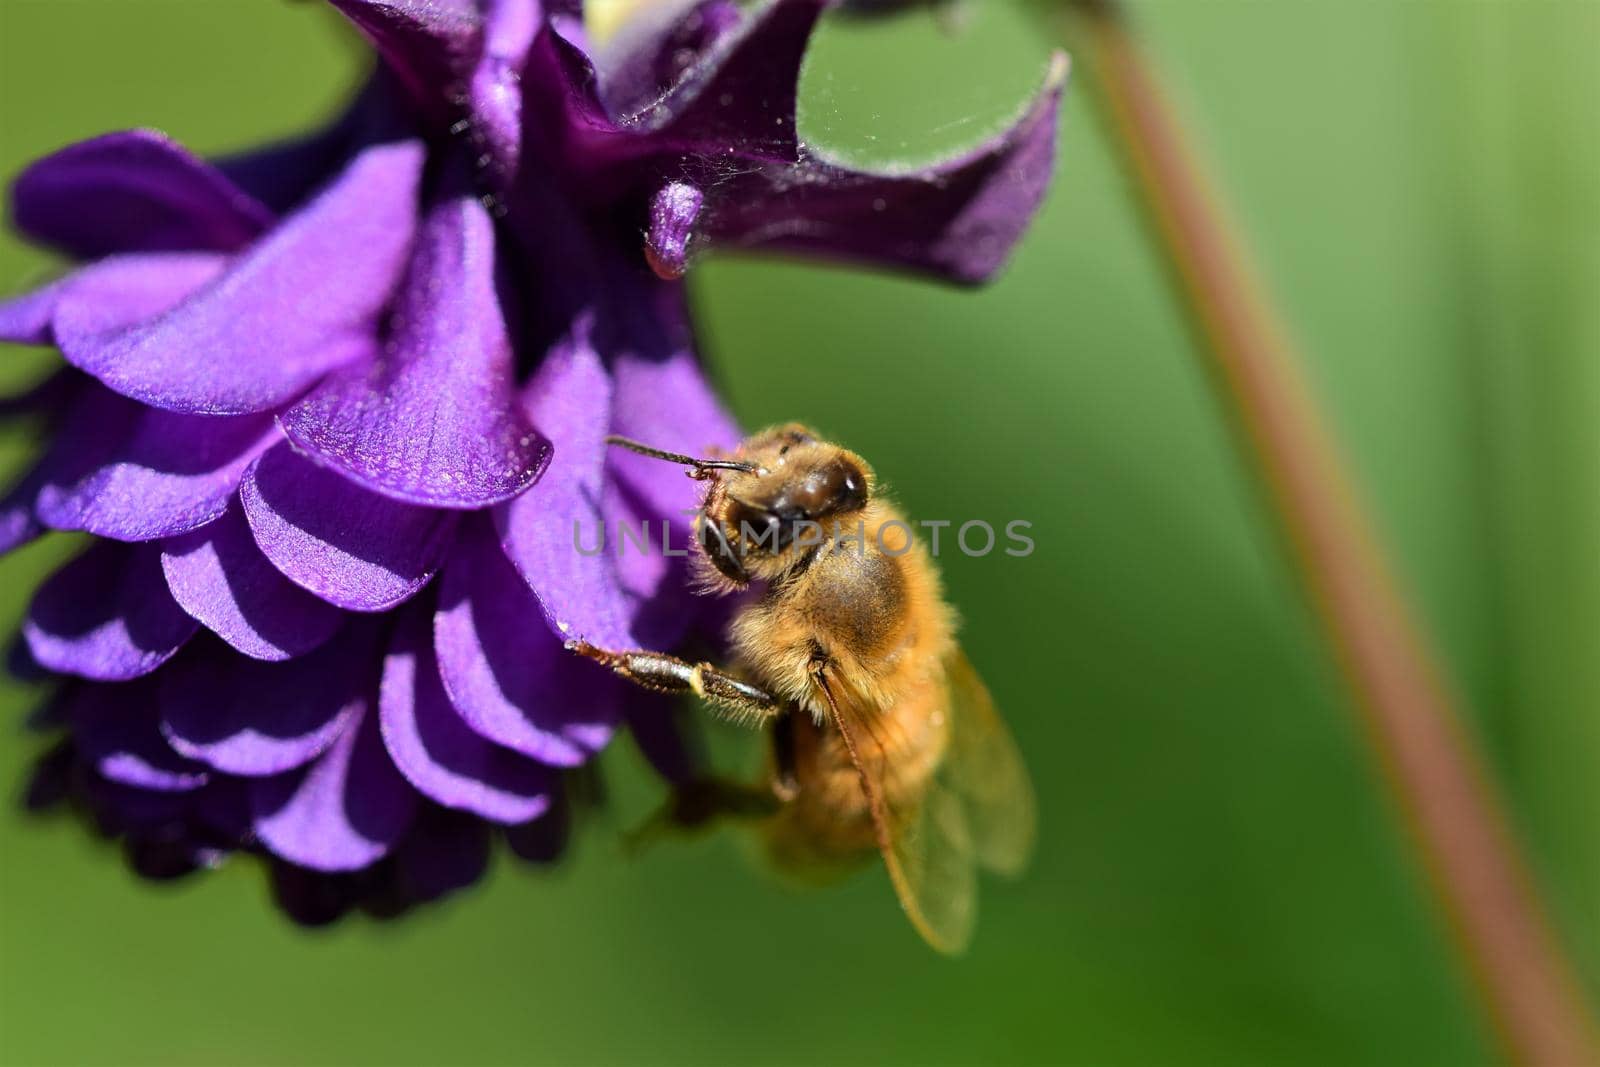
x=785 y=780
x=669 y=674
x=699 y=805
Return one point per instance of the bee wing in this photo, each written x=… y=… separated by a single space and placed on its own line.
x=984 y=767
x=976 y=809
x=924 y=838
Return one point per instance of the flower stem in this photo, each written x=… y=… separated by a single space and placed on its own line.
x=1431 y=763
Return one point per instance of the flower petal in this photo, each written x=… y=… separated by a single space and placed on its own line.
x=741 y=93
x=283 y=174
x=654 y=47
x=114 y=729
x=133 y=191
x=107 y=615
x=433 y=420
x=496 y=91
x=25 y=319
x=18 y=524
x=578 y=588
x=172 y=474
x=242 y=716
x=665 y=401
x=957 y=220
x=430 y=45
x=445 y=851
x=352 y=548
x=438 y=752
x=343 y=812
x=298 y=303
x=219 y=576
x=507 y=675
x=544 y=839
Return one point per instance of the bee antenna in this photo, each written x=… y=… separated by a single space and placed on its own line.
x=678 y=457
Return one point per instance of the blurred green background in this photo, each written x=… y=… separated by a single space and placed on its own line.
x=1220 y=876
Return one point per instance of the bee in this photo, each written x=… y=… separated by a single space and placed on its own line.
x=883 y=738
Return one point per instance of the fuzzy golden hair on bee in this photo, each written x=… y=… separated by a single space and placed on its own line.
x=884 y=739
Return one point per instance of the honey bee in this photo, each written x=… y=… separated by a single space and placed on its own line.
x=883 y=737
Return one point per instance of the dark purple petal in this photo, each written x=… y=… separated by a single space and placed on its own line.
x=654 y=47
x=250 y=718
x=343 y=812
x=115 y=730
x=297 y=304
x=445 y=851
x=655 y=721
x=107 y=615
x=219 y=576
x=433 y=420
x=544 y=839
x=134 y=191
x=18 y=524
x=351 y=547
x=437 y=751
x=569 y=399
x=50 y=778
x=957 y=220
x=507 y=675
x=283 y=174
x=430 y=45
x=49 y=397
x=25 y=319
x=741 y=93
x=174 y=473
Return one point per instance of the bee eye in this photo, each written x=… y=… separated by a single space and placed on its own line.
x=721 y=552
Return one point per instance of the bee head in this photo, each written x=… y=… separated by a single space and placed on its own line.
x=802 y=494
x=783 y=493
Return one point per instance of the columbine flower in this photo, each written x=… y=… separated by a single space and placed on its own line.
x=333 y=410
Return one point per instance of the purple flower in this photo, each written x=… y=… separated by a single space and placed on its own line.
x=333 y=410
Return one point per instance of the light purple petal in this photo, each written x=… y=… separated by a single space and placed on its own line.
x=25 y=319
x=343 y=812
x=113 y=294
x=742 y=92
x=133 y=191
x=507 y=675
x=433 y=420
x=298 y=303
x=667 y=402
x=957 y=220
x=439 y=753
x=579 y=590
x=430 y=45
x=219 y=576
x=172 y=474
x=242 y=716
x=673 y=214
x=496 y=107
x=107 y=615
x=352 y=548
x=114 y=729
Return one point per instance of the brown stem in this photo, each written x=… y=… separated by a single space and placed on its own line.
x=1449 y=800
